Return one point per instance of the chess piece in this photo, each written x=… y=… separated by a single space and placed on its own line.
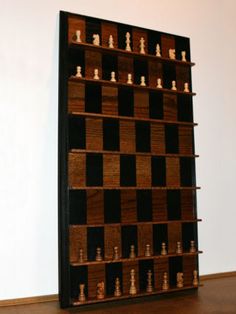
x=149 y=282
x=180 y=280
x=115 y=252
x=129 y=80
x=142 y=45
x=142 y=81
x=127 y=41
x=100 y=290
x=117 y=292
x=173 y=85
x=159 y=85
x=82 y=297
x=77 y=36
x=172 y=53
x=132 y=289
x=96 y=76
x=179 y=248
x=81 y=255
x=186 y=88
x=132 y=252
x=195 y=278
x=98 y=254
x=78 y=73
x=163 y=249
x=113 y=76
x=148 y=250
x=158 y=50
x=165 y=284
x=192 y=247
x=111 y=42
x=96 y=40
x=183 y=55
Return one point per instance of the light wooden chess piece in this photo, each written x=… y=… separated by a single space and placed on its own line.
x=82 y=296
x=186 y=88
x=111 y=42
x=179 y=248
x=77 y=35
x=142 y=45
x=174 y=85
x=195 y=278
x=183 y=55
x=127 y=41
x=96 y=76
x=172 y=53
x=149 y=282
x=192 y=247
x=100 y=290
x=117 y=292
x=78 y=73
x=115 y=252
x=159 y=85
x=132 y=251
x=163 y=249
x=96 y=39
x=132 y=289
x=165 y=284
x=148 y=250
x=98 y=254
x=81 y=255
x=113 y=76
x=158 y=50
x=180 y=280
x=129 y=80
x=142 y=81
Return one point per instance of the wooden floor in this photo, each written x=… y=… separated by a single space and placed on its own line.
x=216 y=296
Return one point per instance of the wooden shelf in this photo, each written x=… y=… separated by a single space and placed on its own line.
x=133 y=188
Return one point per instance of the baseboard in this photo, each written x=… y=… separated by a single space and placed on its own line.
x=218 y=275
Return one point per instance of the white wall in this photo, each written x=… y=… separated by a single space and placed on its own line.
x=28 y=128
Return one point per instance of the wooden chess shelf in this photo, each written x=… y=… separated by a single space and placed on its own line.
x=78 y=187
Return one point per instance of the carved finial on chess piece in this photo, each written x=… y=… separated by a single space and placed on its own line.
x=195 y=278
x=113 y=76
x=98 y=254
x=81 y=255
x=172 y=53
x=127 y=41
x=149 y=281
x=183 y=55
x=78 y=73
x=111 y=42
x=148 y=250
x=100 y=290
x=174 y=85
x=142 y=45
x=186 y=88
x=158 y=50
x=179 y=248
x=142 y=81
x=117 y=292
x=165 y=284
x=129 y=80
x=163 y=249
x=180 y=280
x=132 y=253
x=96 y=39
x=192 y=247
x=77 y=36
x=96 y=76
x=132 y=289
x=115 y=252
x=159 y=85
x=82 y=296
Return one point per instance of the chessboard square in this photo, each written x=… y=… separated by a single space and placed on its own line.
x=122 y=30
x=76 y=97
x=140 y=69
x=111 y=170
x=185 y=108
x=77 y=132
x=95 y=239
x=128 y=206
x=112 y=206
x=188 y=204
x=189 y=233
x=159 y=205
x=74 y=24
x=144 y=205
x=186 y=140
x=77 y=169
x=129 y=237
x=93 y=26
x=109 y=64
x=78 y=207
x=167 y=42
x=143 y=169
x=77 y=241
x=187 y=171
x=144 y=267
x=160 y=235
x=142 y=136
x=127 y=136
x=173 y=205
x=172 y=139
x=158 y=171
x=170 y=107
x=155 y=105
x=113 y=271
x=109 y=100
x=172 y=172
x=175 y=266
x=79 y=275
x=95 y=214
x=107 y=30
x=126 y=102
x=112 y=235
x=111 y=138
x=93 y=98
x=157 y=138
x=94 y=138
x=127 y=170
x=94 y=170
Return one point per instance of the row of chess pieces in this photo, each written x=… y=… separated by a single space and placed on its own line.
x=100 y=288
x=132 y=254
x=96 y=42
x=130 y=80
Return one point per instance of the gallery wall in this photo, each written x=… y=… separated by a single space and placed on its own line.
x=28 y=128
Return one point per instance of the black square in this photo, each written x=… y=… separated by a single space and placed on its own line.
x=95 y=239
x=172 y=139
x=160 y=235
x=155 y=105
x=142 y=136
x=78 y=207
x=111 y=137
x=77 y=132
x=144 y=205
x=158 y=171
x=173 y=205
x=126 y=102
x=93 y=98
x=127 y=170
x=112 y=209
x=187 y=171
x=94 y=170
x=129 y=237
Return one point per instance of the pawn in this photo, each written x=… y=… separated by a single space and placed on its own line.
x=117 y=292
x=132 y=252
x=173 y=85
x=158 y=50
x=82 y=297
x=113 y=76
x=77 y=36
x=99 y=254
x=163 y=249
x=159 y=85
x=165 y=284
x=111 y=42
x=149 y=282
x=115 y=252
x=142 y=45
x=127 y=41
x=180 y=280
x=172 y=53
x=142 y=81
x=96 y=76
x=192 y=247
x=78 y=73
x=195 y=278
x=132 y=289
x=96 y=39
x=183 y=55
x=148 y=250
x=100 y=290
x=186 y=88
x=81 y=255
x=179 y=248
x=129 y=80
